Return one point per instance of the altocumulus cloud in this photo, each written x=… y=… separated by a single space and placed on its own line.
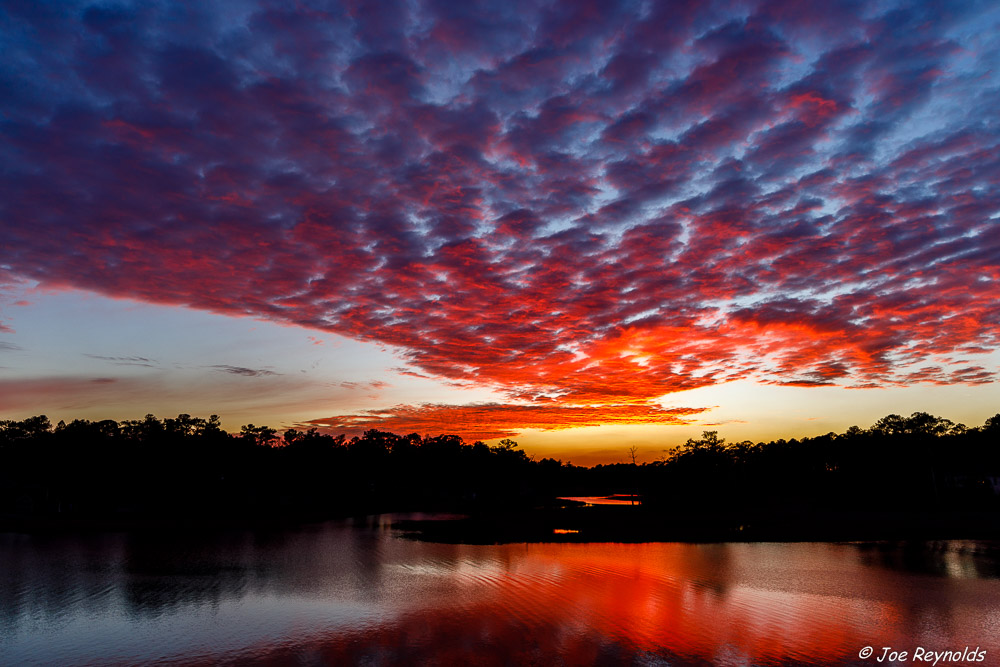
x=577 y=205
x=241 y=370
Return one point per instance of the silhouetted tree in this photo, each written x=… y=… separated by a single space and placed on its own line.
x=188 y=466
x=262 y=436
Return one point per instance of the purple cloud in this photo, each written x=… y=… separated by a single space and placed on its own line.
x=595 y=204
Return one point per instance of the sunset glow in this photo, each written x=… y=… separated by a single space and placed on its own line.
x=502 y=219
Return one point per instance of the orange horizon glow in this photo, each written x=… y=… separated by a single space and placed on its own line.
x=491 y=421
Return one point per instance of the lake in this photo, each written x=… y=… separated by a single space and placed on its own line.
x=352 y=592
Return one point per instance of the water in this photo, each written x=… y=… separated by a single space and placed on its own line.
x=344 y=593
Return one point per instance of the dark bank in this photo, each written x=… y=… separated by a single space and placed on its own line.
x=916 y=477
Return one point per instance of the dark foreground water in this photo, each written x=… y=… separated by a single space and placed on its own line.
x=348 y=593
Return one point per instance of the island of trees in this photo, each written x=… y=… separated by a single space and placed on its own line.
x=918 y=475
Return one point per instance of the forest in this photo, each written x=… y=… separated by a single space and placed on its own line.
x=190 y=469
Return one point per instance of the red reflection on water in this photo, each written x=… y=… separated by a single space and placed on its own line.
x=683 y=604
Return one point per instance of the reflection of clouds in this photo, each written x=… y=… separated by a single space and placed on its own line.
x=967 y=559
x=464 y=571
x=957 y=559
x=351 y=591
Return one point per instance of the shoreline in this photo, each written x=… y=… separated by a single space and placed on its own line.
x=602 y=523
x=575 y=523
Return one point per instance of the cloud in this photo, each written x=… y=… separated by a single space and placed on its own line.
x=125 y=361
x=66 y=393
x=240 y=370
x=372 y=384
x=568 y=206
x=486 y=421
x=10 y=347
x=722 y=423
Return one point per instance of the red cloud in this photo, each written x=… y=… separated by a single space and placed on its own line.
x=486 y=421
x=585 y=209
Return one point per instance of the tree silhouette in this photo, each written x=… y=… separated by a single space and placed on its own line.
x=188 y=467
x=259 y=435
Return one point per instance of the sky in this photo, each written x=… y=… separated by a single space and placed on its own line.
x=582 y=225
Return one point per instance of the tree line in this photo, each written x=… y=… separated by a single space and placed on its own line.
x=920 y=462
x=189 y=467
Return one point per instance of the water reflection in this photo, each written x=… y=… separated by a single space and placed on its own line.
x=968 y=559
x=342 y=593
